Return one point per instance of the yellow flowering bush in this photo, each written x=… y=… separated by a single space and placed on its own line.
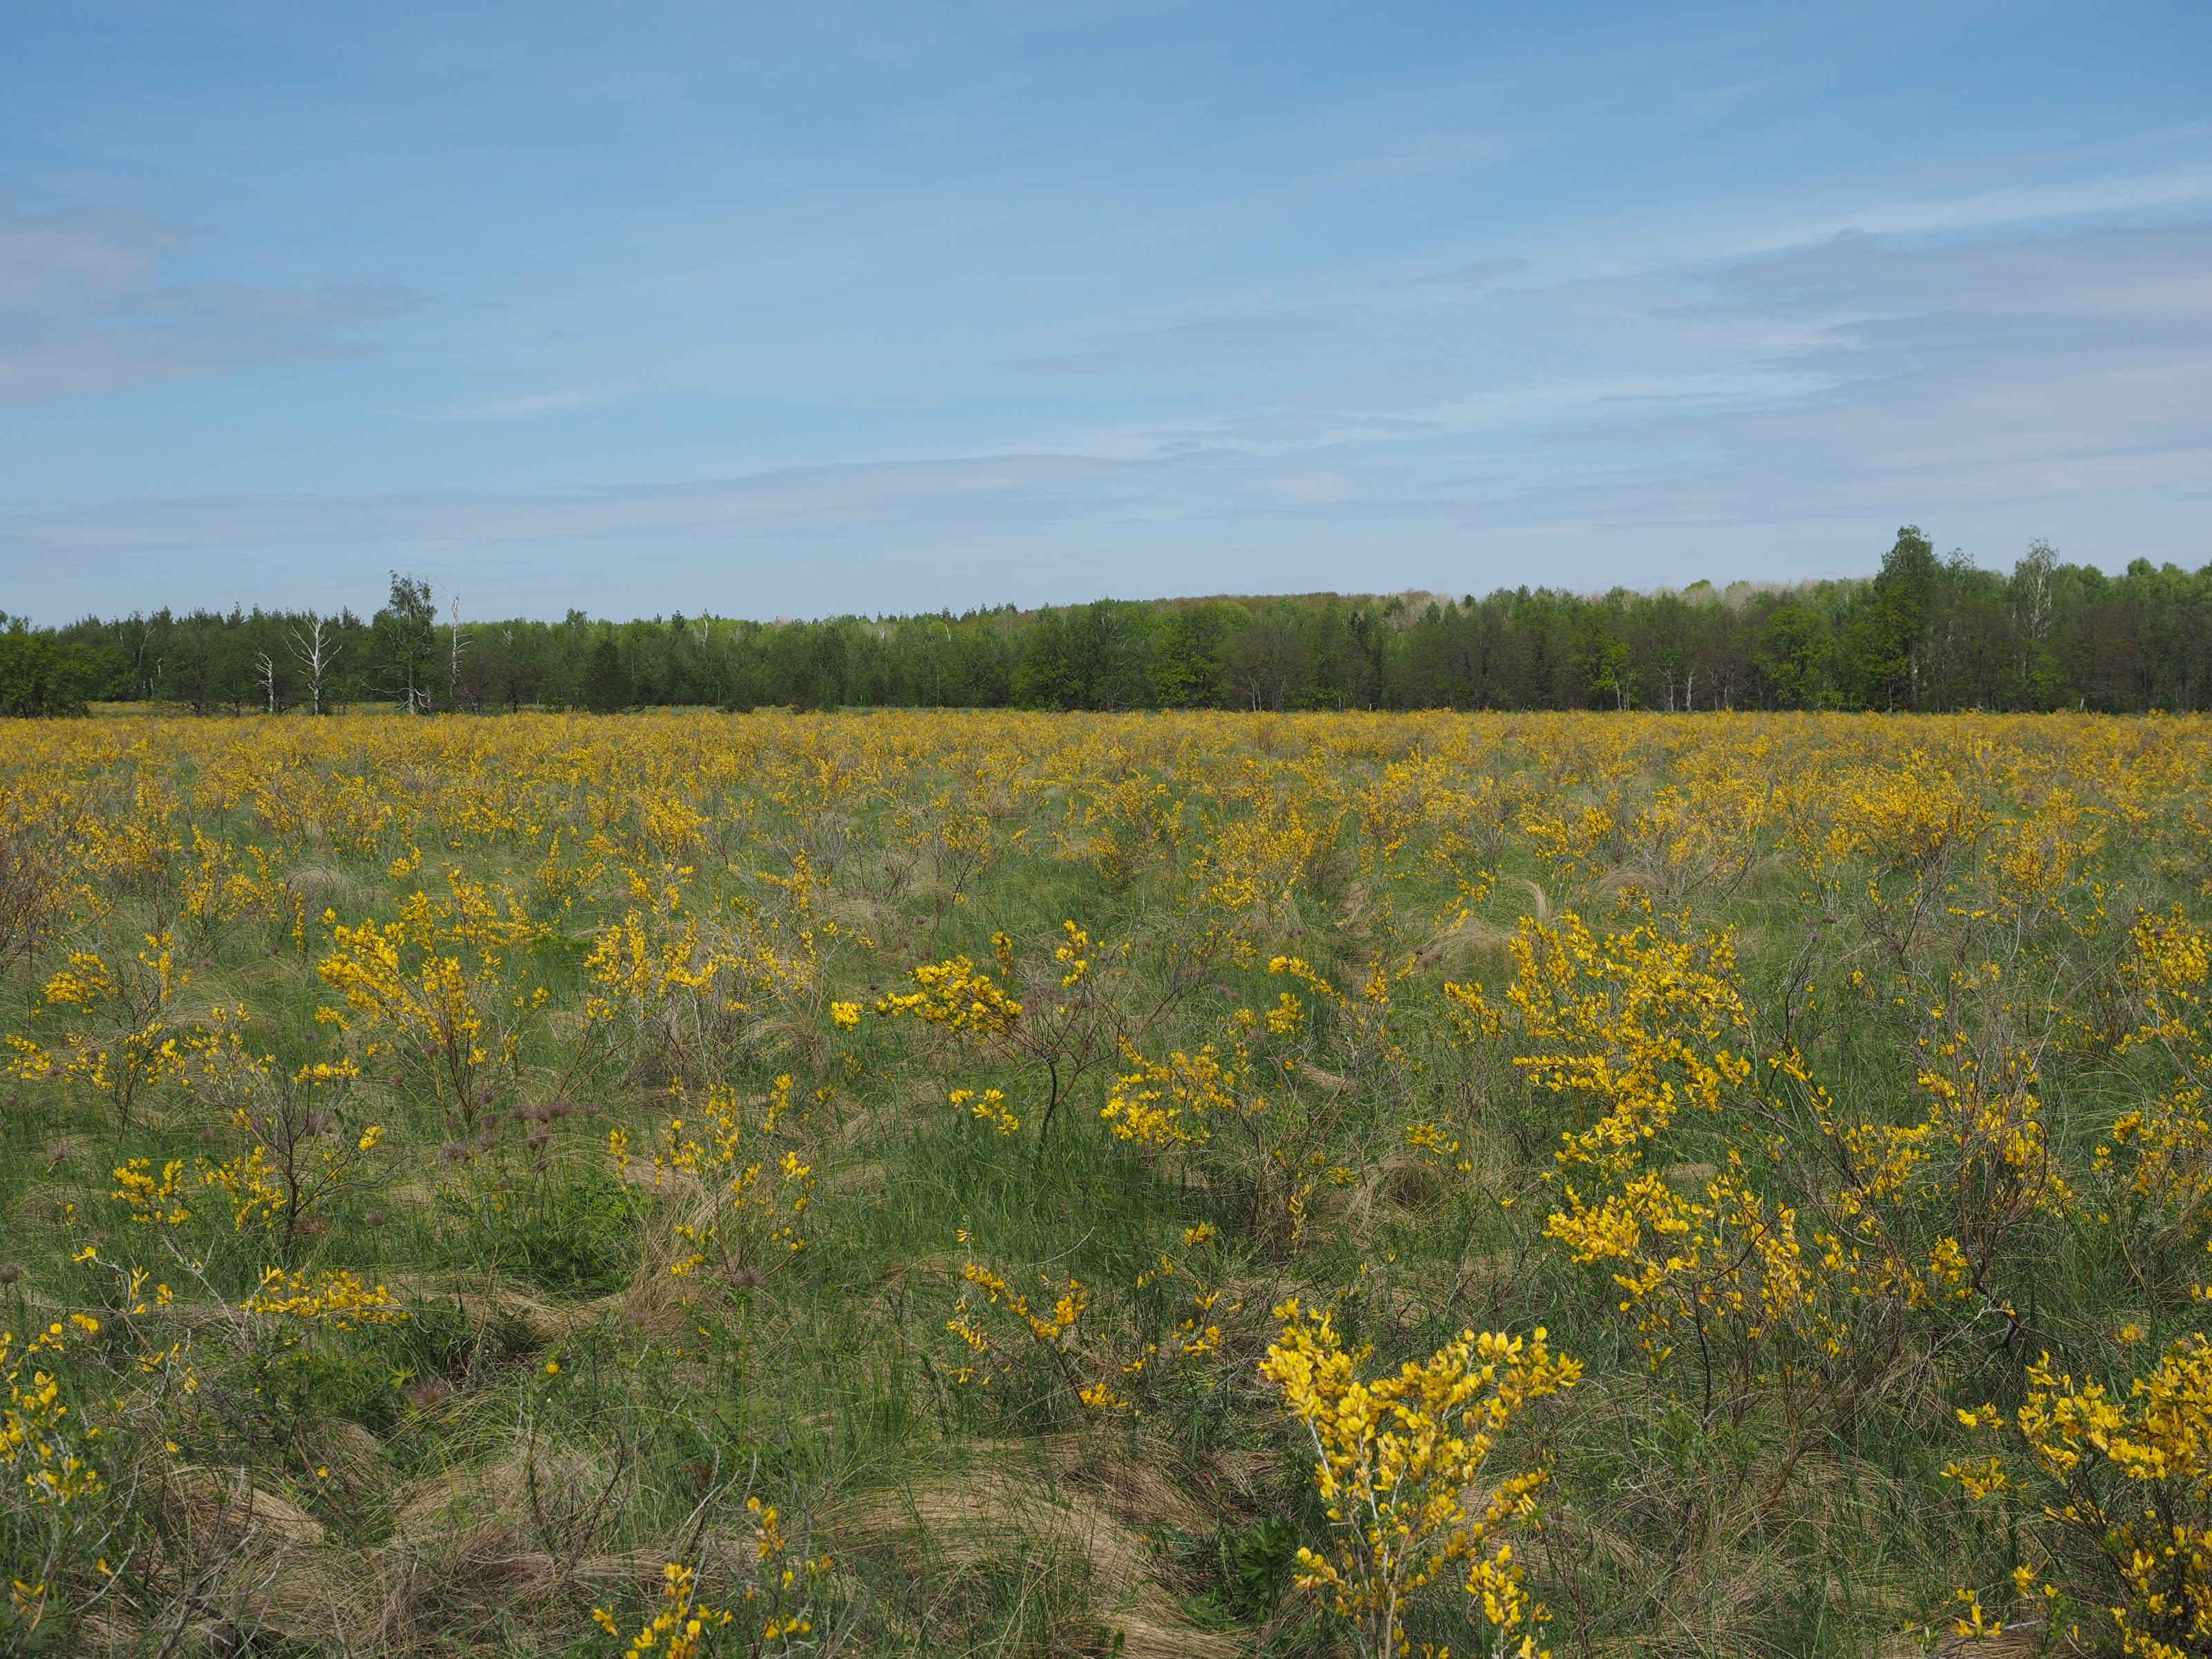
x=554 y=1121
x=773 y=1612
x=118 y=1034
x=50 y=1481
x=1400 y=1465
x=2127 y=1478
x=335 y=1299
x=738 y=1201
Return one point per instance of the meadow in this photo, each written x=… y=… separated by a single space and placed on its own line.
x=926 y=1183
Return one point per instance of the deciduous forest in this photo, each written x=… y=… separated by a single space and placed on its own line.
x=1924 y=633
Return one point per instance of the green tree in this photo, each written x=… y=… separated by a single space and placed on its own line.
x=1191 y=668
x=1885 y=641
x=1271 y=662
x=2033 y=595
x=1795 y=647
x=1603 y=651
x=607 y=678
x=1045 y=676
x=1109 y=653
x=41 y=676
x=406 y=637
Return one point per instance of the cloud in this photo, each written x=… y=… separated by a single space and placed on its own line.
x=787 y=503
x=539 y=403
x=2132 y=271
x=1384 y=423
x=80 y=259
x=804 y=540
x=85 y=309
x=2022 y=370
x=1198 y=345
x=1817 y=380
x=2020 y=204
x=1416 y=155
x=1856 y=376
x=1483 y=273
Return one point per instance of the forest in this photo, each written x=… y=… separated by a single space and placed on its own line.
x=1924 y=633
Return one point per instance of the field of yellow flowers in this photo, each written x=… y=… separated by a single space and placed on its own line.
x=1175 y=1185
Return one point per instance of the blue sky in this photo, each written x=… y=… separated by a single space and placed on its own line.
x=796 y=310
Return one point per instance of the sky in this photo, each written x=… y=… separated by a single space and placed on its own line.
x=921 y=304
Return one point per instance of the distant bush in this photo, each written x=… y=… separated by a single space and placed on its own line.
x=41 y=676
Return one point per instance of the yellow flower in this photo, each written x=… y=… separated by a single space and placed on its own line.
x=1397 y=1459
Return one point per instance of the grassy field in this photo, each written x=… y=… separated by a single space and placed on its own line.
x=939 y=1184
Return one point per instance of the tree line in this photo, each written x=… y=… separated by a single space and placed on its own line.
x=1924 y=633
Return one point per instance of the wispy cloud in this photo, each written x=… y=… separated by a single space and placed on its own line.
x=85 y=307
x=536 y=403
x=1481 y=274
x=1817 y=383
x=1199 y=345
x=2021 y=204
x=797 y=501
x=1416 y=155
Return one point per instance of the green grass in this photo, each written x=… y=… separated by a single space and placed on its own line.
x=558 y=1415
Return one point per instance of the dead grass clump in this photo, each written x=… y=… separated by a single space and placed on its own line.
x=2021 y=1641
x=519 y=1537
x=556 y=1501
x=858 y=1179
x=1127 y=1478
x=354 y=1470
x=235 y=1560
x=489 y=1303
x=658 y=1303
x=1393 y=1185
x=888 y=1125
x=202 y=1501
x=1357 y=915
x=1464 y=945
x=1245 y=1478
x=322 y=886
x=1717 y=1561
x=1079 y=1502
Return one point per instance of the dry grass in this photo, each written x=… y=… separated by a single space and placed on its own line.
x=1084 y=1504
x=432 y=1487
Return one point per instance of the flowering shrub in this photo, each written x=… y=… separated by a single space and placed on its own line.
x=487 y=1150
x=2129 y=1476
x=1398 y=1459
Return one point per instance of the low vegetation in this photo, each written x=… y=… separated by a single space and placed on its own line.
x=1187 y=1184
